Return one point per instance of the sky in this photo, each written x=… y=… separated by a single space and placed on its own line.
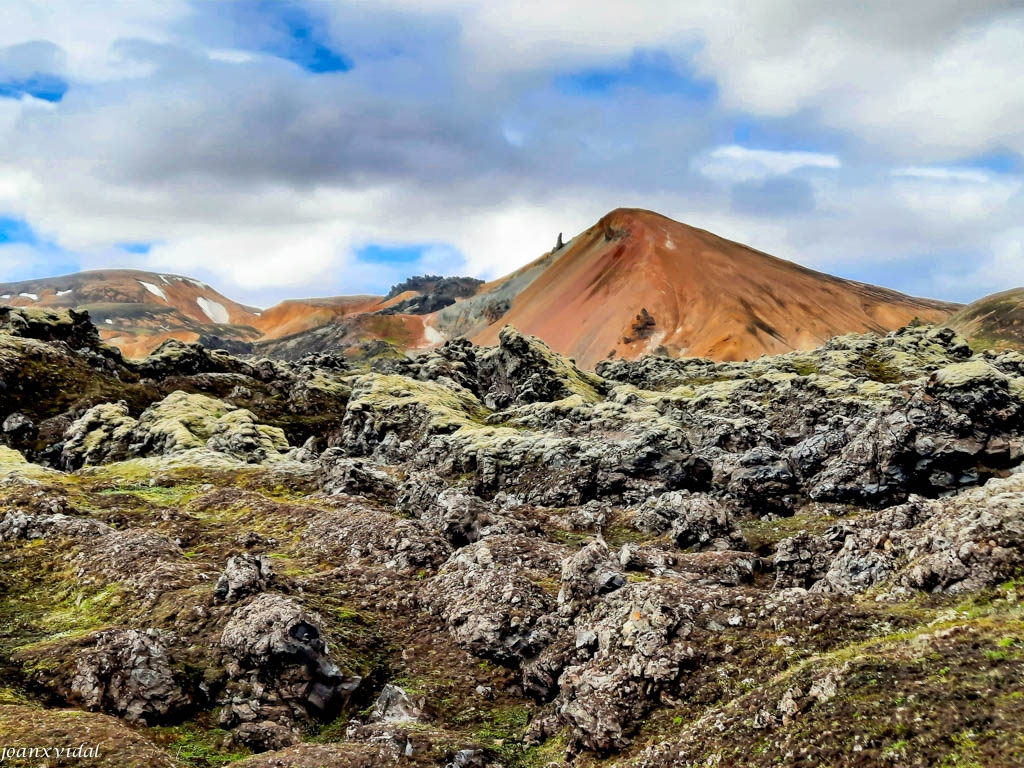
x=286 y=149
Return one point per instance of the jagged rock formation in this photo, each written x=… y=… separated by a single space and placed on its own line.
x=437 y=285
x=493 y=557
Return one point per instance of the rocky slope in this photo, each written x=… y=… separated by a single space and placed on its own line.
x=138 y=311
x=632 y=284
x=993 y=322
x=487 y=556
x=637 y=282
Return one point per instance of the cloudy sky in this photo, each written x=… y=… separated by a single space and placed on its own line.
x=285 y=148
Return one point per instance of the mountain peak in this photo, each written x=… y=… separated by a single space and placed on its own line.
x=638 y=282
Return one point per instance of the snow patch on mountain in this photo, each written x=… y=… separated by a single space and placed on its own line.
x=433 y=335
x=213 y=310
x=156 y=290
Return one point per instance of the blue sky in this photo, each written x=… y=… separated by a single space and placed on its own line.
x=645 y=71
x=287 y=30
x=277 y=149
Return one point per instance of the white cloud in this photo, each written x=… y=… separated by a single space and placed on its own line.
x=264 y=181
x=87 y=34
x=252 y=259
x=940 y=75
x=1006 y=265
x=966 y=175
x=965 y=98
x=956 y=194
x=232 y=55
x=736 y=163
x=1000 y=269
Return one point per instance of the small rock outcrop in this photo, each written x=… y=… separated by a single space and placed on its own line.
x=522 y=369
x=180 y=422
x=692 y=520
x=127 y=672
x=280 y=670
x=244 y=575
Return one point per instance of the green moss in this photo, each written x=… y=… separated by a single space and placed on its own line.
x=617 y=535
x=41 y=605
x=172 y=496
x=197 y=744
x=446 y=409
x=964 y=753
x=503 y=734
x=763 y=535
x=570 y=538
x=12 y=696
x=11 y=458
x=13 y=464
x=881 y=370
x=962 y=375
x=805 y=368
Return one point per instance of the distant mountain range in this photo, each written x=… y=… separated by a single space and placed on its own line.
x=634 y=283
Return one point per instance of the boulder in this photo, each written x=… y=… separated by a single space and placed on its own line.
x=244 y=575
x=21 y=525
x=490 y=610
x=693 y=520
x=393 y=705
x=339 y=474
x=128 y=672
x=280 y=665
x=591 y=571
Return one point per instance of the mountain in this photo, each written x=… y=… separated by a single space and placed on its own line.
x=638 y=282
x=137 y=311
x=634 y=283
x=404 y=318
x=993 y=322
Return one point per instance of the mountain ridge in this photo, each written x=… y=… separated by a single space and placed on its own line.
x=634 y=283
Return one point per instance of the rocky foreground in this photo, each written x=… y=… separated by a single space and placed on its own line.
x=489 y=557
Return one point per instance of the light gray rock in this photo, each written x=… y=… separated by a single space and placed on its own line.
x=244 y=575
x=393 y=705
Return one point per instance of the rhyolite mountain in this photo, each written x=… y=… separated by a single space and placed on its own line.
x=138 y=311
x=637 y=282
x=634 y=283
x=491 y=557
